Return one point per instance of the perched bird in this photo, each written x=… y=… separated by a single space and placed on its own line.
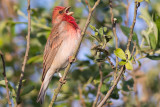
x=60 y=46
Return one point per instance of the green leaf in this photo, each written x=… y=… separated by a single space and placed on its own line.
x=27 y=89
x=127 y=83
x=139 y=63
x=13 y=94
x=123 y=62
x=42 y=40
x=157 y=20
x=118 y=19
x=153 y=57
x=96 y=33
x=103 y=88
x=22 y=14
x=78 y=11
x=129 y=65
x=115 y=94
x=96 y=81
x=125 y=30
x=135 y=38
x=105 y=29
x=152 y=41
x=147 y=1
x=35 y=59
x=101 y=31
x=120 y=53
x=128 y=54
x=12 y=91
x=92 y=27
x=94 y=37
x=43 y=33
x=139 y=0
x=2 y=83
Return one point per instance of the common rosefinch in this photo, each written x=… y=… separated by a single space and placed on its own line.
x=60 y=46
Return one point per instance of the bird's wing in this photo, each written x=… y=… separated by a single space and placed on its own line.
x=53 y=43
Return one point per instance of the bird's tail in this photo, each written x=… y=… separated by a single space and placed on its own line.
x=42 y=92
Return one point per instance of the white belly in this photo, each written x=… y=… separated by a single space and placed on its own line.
x=66 y=49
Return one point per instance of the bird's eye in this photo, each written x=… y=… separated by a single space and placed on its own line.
x=60 y=12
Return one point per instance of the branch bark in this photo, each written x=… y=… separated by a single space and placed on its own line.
x=115 y=35
x=127 y=12
x=135 y=80
x=5 y=78
x=57 y=90
x=26 y=54
x=81 y=95
x=99 y=86
x=136 y=5
x=135 y=90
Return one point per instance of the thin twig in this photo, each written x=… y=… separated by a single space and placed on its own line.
x=108 y=59
x=133 y=74
x=26 y=54
x=112 y=88
x=81 y=96
x=99 y=86
x=107 y=76
x=102 y=96
x=5 y=78
x=57 y=90
x=134 y=46
x=127 y=12
x=135 y=79
x=135 y=90
x=137 y=4
x=115 y=35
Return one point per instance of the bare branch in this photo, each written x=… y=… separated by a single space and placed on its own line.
x=5 y=78
x=99 y=86
x=136 y=91
x=135 y=79
x=127 y=12
x=108 y=59
x=134 y=46
x=137 y=4
x=112 y=88
x=81 y=96
x=107 y=76
x=89 y=7
x=115 y=35
x=57 y=90
x=26 y=54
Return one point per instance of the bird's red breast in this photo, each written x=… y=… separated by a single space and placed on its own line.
x=62 y=14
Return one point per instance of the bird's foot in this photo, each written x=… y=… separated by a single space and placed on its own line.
x=71 y=59
x=62 y=81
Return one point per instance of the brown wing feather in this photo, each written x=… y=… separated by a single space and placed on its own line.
x=51 y=48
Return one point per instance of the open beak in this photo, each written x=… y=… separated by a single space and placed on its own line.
x=67 y=11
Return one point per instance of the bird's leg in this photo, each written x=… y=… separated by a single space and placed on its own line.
x=61 y=80
x=71 y=59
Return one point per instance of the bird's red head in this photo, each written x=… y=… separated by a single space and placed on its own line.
x=62 y=14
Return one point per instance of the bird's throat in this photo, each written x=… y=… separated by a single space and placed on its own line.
x=70 y=20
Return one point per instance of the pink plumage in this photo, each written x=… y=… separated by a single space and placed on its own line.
x=60 y=45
